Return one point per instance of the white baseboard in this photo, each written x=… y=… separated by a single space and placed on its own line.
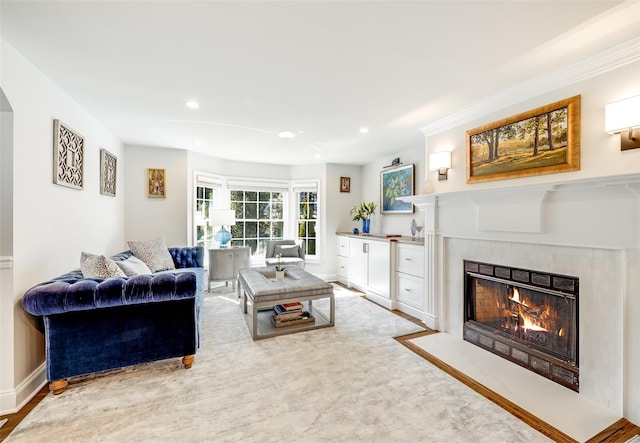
x=11 y=401
x=382 y=301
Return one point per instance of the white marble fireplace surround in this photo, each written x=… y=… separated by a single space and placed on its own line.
x=584 y=228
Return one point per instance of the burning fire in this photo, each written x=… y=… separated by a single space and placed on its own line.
x=532 y=318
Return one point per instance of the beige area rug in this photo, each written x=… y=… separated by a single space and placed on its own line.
x=349 y=383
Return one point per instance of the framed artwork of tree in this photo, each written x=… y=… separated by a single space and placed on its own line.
x=545 y=140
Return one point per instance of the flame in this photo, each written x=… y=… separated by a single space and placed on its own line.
x=529 y=323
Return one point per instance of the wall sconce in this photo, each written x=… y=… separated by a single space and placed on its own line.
x=622 y=117
x=441 y=162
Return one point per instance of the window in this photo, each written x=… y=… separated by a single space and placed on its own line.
x=259 y=217
x=264 y=210
x=207 y=191
x=204 y=205
x=306 y=218
x=307 y=215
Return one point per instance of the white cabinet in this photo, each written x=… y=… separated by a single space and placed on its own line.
x=378 y=269
x=409 y=279
x=343 y=260
x=369 y=268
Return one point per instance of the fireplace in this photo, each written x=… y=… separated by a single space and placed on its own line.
x=525 y=316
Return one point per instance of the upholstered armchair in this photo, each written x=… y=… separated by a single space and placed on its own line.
x=291 y=253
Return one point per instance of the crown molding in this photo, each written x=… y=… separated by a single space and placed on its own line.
x=607 y=60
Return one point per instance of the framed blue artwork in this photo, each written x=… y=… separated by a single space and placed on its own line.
x=396 y=182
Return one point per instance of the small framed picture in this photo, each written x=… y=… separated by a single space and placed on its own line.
x=345 y=184
x=156 y=183
x=108 y=170
x=68 y=156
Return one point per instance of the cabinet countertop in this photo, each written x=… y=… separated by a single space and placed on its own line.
x=419 y=241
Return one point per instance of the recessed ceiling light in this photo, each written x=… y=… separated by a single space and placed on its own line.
x=364 y=130
x=317 y=155
x=192 y=104
x=286 y=134
x=197 y=142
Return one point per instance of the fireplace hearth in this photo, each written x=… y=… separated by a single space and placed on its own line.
x=525 y=316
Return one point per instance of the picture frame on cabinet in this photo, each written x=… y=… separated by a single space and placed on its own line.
x=545 y=140
x=108 y=171
x=396 y=182
x=156 y=183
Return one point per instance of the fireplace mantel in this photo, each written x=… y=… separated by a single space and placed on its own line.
x=619 y=186
x=577 y=213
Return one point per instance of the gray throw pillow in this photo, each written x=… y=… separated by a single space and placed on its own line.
x=154 y=253
x=99 y=266
x=287 y=250
x=133 y=266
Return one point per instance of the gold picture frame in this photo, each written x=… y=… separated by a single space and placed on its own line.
x=156 y=183
x=520 y=146
x=345 y=184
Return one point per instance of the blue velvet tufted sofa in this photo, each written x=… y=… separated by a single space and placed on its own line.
x=93 y=325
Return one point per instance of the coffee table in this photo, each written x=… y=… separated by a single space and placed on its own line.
x=259 y=290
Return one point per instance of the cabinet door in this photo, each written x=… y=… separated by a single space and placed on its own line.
x=221 y=264
x=379 y=268
x=242 y=259
x=357 y=263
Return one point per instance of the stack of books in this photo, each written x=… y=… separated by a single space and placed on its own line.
x=289 y=314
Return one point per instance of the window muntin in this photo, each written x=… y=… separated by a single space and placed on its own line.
x=307 y=217
x=259 y=217
x=204 y=205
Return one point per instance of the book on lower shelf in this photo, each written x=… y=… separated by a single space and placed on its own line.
x=288 y=308
x=289 y=319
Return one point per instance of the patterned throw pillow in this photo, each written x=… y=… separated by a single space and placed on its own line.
x=154 y=253
x=133 y=266
x=99 y=266
x=287 y=250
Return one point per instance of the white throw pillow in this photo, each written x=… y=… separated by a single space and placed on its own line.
x=133 y=266
x=154 y=253
x=99 y=266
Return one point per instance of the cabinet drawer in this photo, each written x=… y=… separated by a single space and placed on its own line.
x=410 y=290
x=410 y=260
x=343 y=246
x=343 y=267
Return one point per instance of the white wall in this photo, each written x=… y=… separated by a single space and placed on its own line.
x=52 y=224
x=147 y=218
x=600 y=153
x=392 y=223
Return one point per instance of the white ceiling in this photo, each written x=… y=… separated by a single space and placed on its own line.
x=321 y=69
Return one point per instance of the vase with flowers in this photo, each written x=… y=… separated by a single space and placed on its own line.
x=364 y=211
x=279 y=269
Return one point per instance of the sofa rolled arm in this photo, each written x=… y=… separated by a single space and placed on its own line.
x=59 y=296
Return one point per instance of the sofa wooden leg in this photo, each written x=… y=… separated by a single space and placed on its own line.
x=187 y=361
x=58 y=386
